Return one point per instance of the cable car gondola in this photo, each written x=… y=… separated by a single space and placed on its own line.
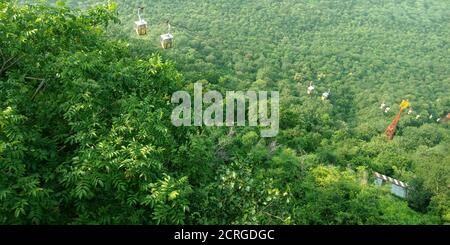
x=326 y=95
x=167 y=39
x=141 y=24
x=310 y=88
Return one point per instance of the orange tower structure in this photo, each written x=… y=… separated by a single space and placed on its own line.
x=445 y=118
x=390 y=131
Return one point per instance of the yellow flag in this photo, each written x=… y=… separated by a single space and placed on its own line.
x=404 y=104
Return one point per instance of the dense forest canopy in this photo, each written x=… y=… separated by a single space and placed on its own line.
x=86 y=137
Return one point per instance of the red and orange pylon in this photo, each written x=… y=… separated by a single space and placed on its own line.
x=390 y=131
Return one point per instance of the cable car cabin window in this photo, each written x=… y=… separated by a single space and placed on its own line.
x=141 y=27
x=166 y=41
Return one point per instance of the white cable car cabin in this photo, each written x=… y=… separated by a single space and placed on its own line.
x=326 y=95
x=167 y=40
x=382 y=106
x=410 y=111
x=387 y=109
x=141 y=24
x=310 y=88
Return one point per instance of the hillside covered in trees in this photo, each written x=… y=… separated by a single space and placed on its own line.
x=85 y=105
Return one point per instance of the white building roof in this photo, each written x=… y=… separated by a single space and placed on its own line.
x=391 y=180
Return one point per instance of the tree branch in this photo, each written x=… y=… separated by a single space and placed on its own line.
x=38 y=88
x=6 y=66
x=2 y=55
x=12 y=63
x=272 y=215
x=35 y=78
x=6 y=61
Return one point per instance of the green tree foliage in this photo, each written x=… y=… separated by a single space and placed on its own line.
x=86 y=137
x=85 y=131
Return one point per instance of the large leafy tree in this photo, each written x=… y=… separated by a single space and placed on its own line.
x=85 y=136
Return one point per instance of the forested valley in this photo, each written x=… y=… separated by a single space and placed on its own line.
x=85 y=105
